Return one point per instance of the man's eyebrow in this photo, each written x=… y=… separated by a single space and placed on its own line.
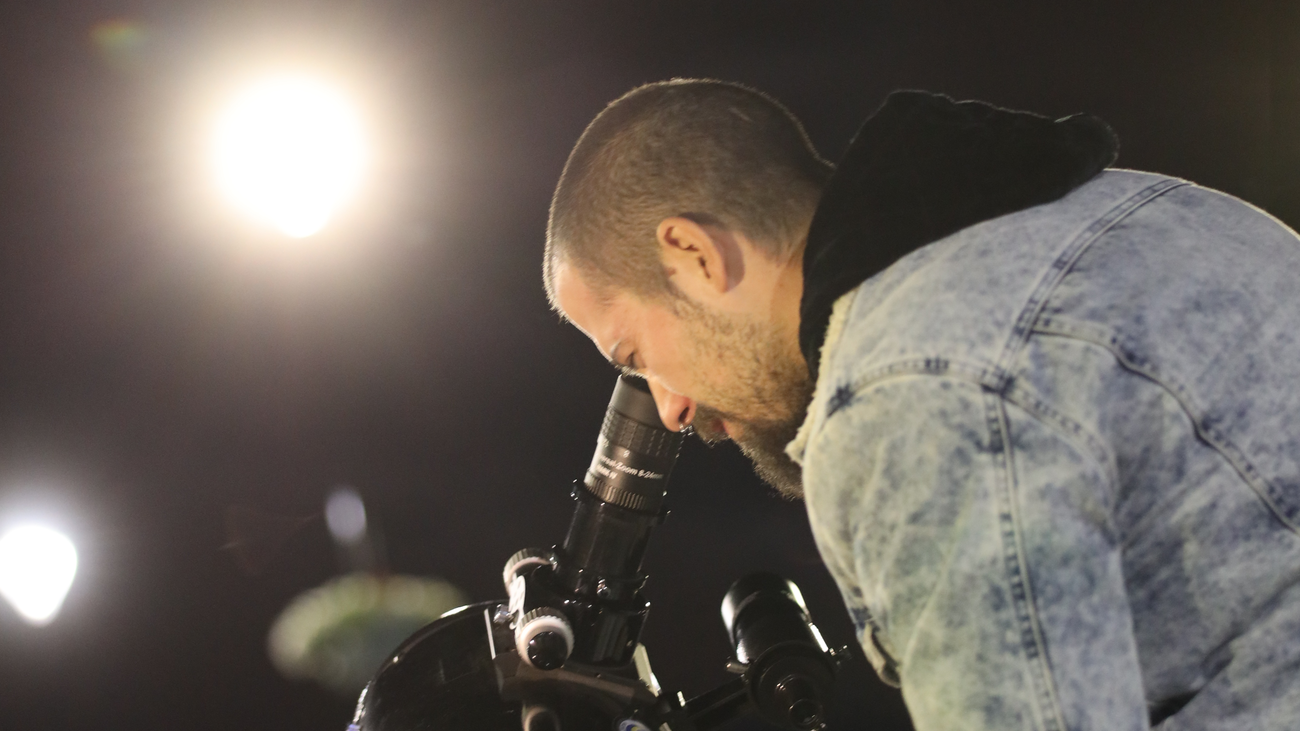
x=624 y=368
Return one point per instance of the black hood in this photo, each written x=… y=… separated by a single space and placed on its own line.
x=923 y=167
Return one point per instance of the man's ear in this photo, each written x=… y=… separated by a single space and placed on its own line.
x=703 y=260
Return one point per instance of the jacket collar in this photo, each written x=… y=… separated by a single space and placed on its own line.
x=923 y=167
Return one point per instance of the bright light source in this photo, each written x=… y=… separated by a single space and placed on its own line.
x=289 y=151
x=37 y=566
x=345 y=515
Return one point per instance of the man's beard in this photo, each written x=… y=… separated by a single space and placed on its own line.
x=764 y=444
x=763 y=397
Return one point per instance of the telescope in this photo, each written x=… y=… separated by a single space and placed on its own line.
x=562 y=650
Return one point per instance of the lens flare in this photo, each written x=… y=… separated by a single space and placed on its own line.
x=37 y=565
x=289 y=151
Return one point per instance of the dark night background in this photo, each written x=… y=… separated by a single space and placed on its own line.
x=162 y=364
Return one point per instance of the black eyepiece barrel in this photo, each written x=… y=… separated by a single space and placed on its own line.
x=634 y=453
x=621 y=496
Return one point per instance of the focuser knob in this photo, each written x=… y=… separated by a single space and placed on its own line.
x=544 y=638
x=523 y=559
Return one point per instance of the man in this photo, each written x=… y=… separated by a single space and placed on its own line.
x=1045 y=416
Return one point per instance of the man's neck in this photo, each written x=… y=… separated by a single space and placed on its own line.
x=787 y=295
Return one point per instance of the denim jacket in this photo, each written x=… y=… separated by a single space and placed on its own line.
x=1053 y=463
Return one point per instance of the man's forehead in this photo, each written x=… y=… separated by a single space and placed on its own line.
x=585 y=307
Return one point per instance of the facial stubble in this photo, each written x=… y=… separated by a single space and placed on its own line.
x=758 y=384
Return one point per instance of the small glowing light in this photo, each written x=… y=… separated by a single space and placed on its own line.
x=37 y=565
x=289 y=151
x=345 y=515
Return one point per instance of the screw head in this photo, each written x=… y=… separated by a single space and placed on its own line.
x=502 y=614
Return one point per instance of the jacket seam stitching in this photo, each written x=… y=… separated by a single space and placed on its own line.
x=1015 y=392
x=1217 y=440
x=1017 y=573
x=917 y=366
x=1014 y=562
x=1074 y=433
x=1064 y=262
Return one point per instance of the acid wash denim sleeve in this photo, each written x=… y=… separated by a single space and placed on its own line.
x=1053 y=462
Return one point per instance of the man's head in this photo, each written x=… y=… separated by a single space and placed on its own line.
x=675 y=243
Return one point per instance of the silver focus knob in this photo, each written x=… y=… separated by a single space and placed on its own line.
x=544 y=638
x=523 y=559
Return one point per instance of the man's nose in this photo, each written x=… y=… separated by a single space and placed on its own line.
x=675 y=410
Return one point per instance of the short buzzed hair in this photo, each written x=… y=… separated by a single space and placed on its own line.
x=716 y=152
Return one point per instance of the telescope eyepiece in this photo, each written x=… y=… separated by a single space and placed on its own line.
x=635 y=452
x=620 y=499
